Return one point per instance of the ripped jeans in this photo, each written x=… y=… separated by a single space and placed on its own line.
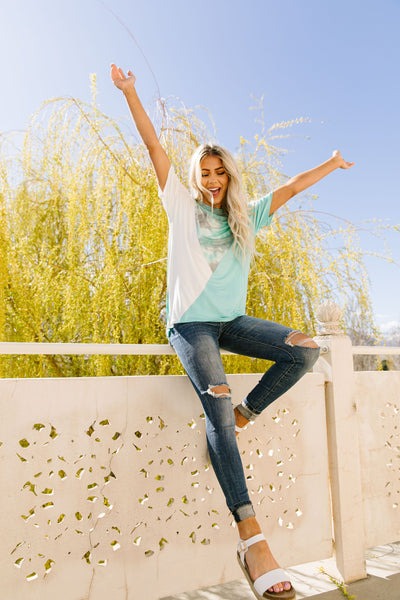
x=198 y=346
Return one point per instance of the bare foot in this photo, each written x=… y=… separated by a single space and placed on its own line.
x=259 y=560
x=258 y=557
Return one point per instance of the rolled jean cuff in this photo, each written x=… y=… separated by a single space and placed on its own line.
x=243 y=512
x=246 y=411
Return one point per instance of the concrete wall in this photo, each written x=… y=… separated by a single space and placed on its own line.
x=378 y=402
x=107 y=490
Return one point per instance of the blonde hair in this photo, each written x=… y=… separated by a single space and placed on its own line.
x=235 y=203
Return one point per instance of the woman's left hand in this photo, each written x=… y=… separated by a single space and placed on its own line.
x=343 y=164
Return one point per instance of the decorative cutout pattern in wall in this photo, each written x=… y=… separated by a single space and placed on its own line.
x=109 y=488
x=378 y=408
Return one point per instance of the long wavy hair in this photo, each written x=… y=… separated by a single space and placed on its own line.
x=235 y=203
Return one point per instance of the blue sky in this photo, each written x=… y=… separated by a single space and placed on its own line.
x=335 y=63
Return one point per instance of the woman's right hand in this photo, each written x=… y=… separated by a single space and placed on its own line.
x=143 y=123
x=120 y=80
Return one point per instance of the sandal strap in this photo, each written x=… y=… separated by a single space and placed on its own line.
x=239 y=429
x=268 y=580
x=245 y=544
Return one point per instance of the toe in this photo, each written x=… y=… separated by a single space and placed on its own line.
x=280 y=587
x=287 y=586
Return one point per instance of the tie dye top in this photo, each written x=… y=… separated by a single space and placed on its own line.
x=215 y=235
x=206 y=280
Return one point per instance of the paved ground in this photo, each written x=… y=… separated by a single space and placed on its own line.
x=383 y=582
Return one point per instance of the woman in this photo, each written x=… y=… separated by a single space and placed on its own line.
x=211 y=241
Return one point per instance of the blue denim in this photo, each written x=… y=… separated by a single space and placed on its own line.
x=198 y=346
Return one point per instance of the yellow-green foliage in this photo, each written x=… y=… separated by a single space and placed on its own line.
x=339 y=584
x=83 y=242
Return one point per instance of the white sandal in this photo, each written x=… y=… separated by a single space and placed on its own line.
x=262 y=584
x=249 y=422
x=239 y=429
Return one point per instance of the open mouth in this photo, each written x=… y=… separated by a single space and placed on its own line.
x=214 y=191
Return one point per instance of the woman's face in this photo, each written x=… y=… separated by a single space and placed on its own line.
x=215 y=179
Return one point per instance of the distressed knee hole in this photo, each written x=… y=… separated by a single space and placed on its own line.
x=296 y=338
x=219 y=391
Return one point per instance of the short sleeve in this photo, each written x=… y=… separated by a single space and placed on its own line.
x=259 y=212
x=174 y=193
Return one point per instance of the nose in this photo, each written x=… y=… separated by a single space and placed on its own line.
x=213 y=179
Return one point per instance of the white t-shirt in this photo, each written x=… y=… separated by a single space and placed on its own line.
x=206 y=281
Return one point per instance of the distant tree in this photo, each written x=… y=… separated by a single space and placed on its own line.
x=361 y=333
x=391 y=338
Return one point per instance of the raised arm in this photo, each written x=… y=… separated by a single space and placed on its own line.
x=304 y=180
x=143 y=124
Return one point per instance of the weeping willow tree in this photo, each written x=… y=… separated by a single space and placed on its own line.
x=83 y=242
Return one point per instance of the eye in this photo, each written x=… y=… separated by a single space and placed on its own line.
x=221 y=173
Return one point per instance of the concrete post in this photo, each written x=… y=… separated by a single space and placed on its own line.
x=343 y=442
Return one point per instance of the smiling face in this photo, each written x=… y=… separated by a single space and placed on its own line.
x=215 y=179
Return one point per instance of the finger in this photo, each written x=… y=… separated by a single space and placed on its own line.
x=114 y=72
x=122 y=74
x=130 y=73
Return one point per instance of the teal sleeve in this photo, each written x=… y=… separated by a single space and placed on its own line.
x=259 y=212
